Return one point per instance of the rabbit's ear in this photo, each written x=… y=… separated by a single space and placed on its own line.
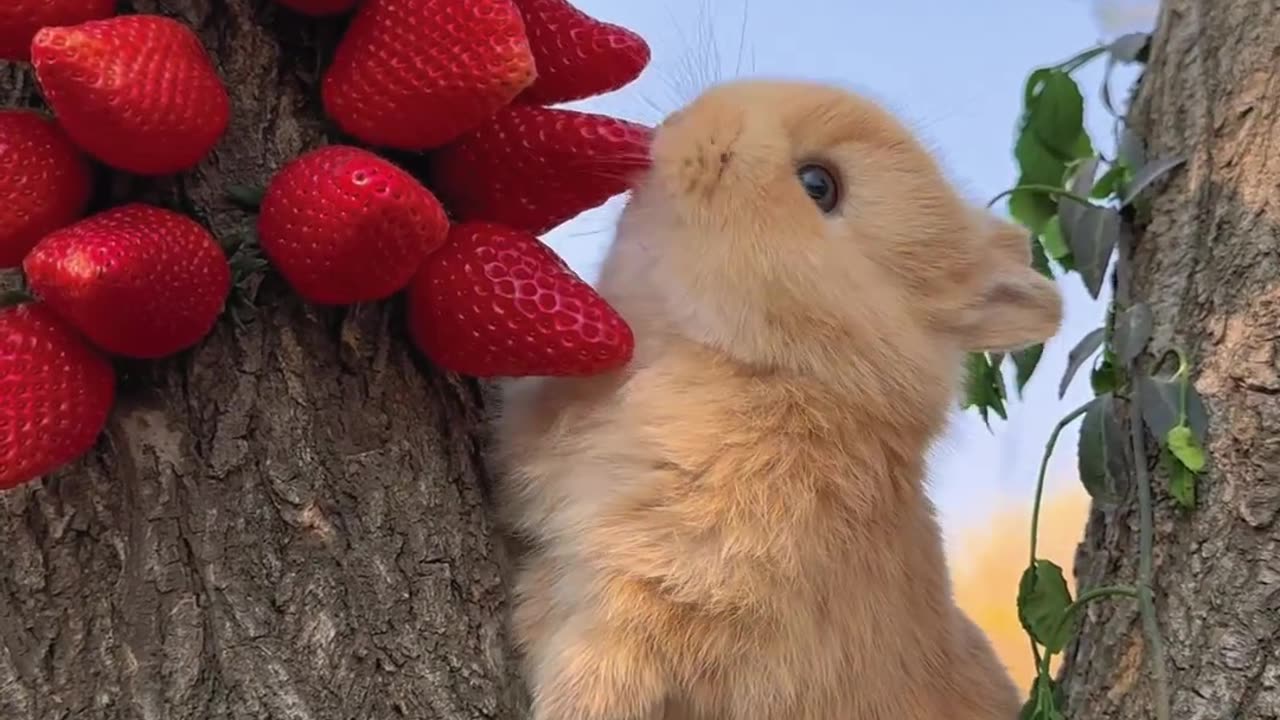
x=1014 y=306
x=1017 y=307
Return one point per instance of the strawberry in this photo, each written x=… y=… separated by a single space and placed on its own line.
x=55 y=394
x=497 y=302
x=577 y=56
x=533 y=168
x=137 y=280
x=319 y=8
x=415 y=74
x=44 y=182
x=138 y=92
x=343 y=225
x=20 y=19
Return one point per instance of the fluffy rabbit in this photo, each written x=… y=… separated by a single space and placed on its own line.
x=735 y=527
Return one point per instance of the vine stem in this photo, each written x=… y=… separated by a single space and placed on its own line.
x=1104 y=592
x=1074 y=63
x=1043 y=659
x=1146 y=532
x=1044 y=468
x=1146 y=511
x=1046 y=189
x=1098 y=593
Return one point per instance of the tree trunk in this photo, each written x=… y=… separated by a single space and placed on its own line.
x=285 y=522
x=1208 y=264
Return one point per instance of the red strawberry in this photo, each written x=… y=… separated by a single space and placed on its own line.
x=497 y=302
x=415 y=74
x=576 y=55
x=532 y=168
x=55 y=394
x=137 y=280
x=343 y=225
x=138 y=92
x=44 y=182
x=20 y=19
x=319 y=7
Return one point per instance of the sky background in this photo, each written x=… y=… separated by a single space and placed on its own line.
x=955 y=73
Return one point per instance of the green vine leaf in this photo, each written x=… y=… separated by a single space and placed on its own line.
x=1055 y=246
x=1055 y=113
x=1091 y=232
x=1103 y=378
x=984 y=387
x=1032 y=209
x=1033 y=85
x=1132 y=332
x=1039 y=260
x=1197 y=415
x=1110 y=182
x=1160 y=405
x=1144 y=176
x=1182 y=443
x=1054 y=238
x=1043 y=703
x=1182 y=482
x=1100 y=452
x=1052 y=135
x=1025 y=363
x=1083 y=147
x=1039 y=166
x=1082 y=178
x=1116 y=439
x=1043 y=599
x=1169 y=403
x=1077 y=356
x=1130 y=149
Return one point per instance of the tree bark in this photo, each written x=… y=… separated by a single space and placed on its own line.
x=1208 y=264
x=285 y=522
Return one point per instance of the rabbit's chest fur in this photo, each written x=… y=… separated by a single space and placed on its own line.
x=778 y=550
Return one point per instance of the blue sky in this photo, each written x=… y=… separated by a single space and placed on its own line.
x=954 y=71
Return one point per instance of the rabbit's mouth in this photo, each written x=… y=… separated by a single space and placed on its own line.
x=694 y=157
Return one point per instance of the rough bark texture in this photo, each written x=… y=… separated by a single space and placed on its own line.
x=286 y=522
x=1208 y=263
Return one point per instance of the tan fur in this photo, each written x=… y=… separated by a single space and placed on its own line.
x=736 y=527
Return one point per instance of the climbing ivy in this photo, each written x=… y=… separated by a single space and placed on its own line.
x=1078 y=206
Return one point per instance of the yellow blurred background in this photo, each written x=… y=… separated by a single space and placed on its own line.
x=989 y=558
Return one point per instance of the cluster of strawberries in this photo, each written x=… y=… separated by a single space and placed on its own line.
x=469 y=82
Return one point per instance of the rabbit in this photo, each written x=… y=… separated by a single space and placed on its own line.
x=735 y=525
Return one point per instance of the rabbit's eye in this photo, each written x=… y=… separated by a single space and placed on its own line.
x=820 y=183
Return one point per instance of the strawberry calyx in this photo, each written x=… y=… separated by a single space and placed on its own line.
x=247 y=197
x=9 y=298
x=248 y=268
